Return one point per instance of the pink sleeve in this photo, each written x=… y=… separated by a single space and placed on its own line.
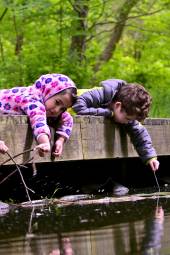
x=37 y=116
x=65 y=125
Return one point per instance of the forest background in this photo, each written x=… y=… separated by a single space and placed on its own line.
x=90 y=41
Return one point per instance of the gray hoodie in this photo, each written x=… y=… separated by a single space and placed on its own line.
x=96 y=101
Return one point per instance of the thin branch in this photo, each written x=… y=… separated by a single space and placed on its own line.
x=130 y=17
x=97 y=34
x=21 y=153
x=26 y=188
x=147 y=30
x=99 y=16
x=33 y=163
x=146 y=14
x=30 y=223
x=71 y=3
x=13 y=172
x=3 y=14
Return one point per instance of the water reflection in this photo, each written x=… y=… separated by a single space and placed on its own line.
x=154 y=232
x=131 y=228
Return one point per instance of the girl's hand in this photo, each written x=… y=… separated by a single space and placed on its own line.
x=43 y=148
x=154 y=164
x=44 y=145
x=3 y=147
x=59 y=144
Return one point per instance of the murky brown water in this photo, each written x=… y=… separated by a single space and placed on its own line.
x=129 y=227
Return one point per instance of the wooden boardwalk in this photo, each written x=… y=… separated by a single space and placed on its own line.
x=92 y=138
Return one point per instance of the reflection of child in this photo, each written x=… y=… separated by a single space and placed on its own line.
x=159 y=214
x=3 y=147
x=127 y=104
x=154 y=233
x=49 y=96
x=66 y=247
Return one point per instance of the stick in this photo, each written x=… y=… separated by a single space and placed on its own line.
x=26 y=188
x=16 y=156
x=13 y=172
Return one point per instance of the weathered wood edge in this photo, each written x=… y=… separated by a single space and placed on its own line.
x=93 y=137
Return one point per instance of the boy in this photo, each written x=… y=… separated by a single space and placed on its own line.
x=127 y=104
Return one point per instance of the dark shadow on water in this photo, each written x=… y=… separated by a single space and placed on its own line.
x=75 y=177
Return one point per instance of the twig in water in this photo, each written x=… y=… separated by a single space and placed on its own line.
x=23 y=164
x=30 y=223
x=26 y=188
x=156 y=181
x=13 y=172
x=33 y=163
x=157 y=203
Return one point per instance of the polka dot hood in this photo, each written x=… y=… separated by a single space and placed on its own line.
x=30 y=101
x=50 y=84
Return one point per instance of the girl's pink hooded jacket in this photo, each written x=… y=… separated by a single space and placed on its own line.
x=30 y=101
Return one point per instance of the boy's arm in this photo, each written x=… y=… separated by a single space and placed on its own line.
x=141 y=140
x=92 y=103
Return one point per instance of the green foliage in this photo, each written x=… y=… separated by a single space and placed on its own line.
x=36 y=38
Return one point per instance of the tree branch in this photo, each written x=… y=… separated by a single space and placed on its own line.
x=3 y=14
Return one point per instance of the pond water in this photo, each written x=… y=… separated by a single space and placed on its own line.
x=107 y=228
x=131 y=225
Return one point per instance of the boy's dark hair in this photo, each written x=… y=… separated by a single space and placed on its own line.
x=135 y=100
x=73 y=92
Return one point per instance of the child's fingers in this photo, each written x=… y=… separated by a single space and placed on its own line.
x=42 y=149
x=3 y=147
x=57 y=152
x=41 y=153
x=154 y=165
x=3 y=150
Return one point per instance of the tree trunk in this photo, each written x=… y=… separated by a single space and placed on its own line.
x=117 y=33
x=78 y=41
x=2 y=51
x=19 y=38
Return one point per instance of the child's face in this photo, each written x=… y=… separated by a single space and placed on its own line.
x=120 y=116
x=57 y=104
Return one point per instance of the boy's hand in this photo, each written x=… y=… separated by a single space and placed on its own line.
x=154 y=164
x=59 y=144
x=43 y=148
x=3 y=147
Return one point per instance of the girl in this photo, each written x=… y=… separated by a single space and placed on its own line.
x=49 y=96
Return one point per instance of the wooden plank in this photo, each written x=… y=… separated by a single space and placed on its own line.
x=92 y=138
